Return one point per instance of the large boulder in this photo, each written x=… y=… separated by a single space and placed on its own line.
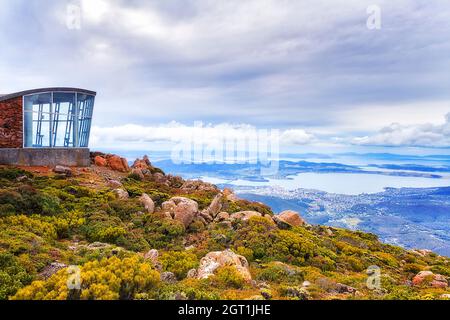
x=148 y=203
x=291 y=217
x=117 y=163
x=100 y=161
x=181 y=209
x=216 y=259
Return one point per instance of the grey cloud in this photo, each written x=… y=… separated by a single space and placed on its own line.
x=268 y=63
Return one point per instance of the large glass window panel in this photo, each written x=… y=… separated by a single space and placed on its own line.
x=37 y=115
x=85 y=110
x=63 y=125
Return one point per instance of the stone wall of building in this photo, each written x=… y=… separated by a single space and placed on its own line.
x=47 y=157
x=11 y=123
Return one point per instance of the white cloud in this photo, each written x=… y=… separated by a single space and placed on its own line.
x=422 y=135
x=296 y=137
x=131 y=134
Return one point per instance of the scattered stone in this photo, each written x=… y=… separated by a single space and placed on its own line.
x=429 y=278
x=306 y=284
x=148 y=203
x=299 y=293
x=152 y=255
x=343 y=288
x=98 y=245
x=260 y=284
x=115 y=184
x=168 y=277
x=22 y=178
x=52 y=269
x=63 y=170
x=121 y=194
x=192 y=274
x=216 y=259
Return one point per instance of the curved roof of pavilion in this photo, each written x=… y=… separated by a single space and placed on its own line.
x=41 y=90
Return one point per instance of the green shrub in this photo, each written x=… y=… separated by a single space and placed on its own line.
x=13 y=173
x=12 y=276
x=228 y=276
x=178 y=262
x=163 y=233
x=280 y=272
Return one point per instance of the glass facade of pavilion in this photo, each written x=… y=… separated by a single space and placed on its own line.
x=57 y=119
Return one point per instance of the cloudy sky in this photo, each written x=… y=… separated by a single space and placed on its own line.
x=312 y=69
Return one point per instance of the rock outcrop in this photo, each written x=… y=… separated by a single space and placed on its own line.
x=112 y=161
x=181 y=209
x=431 y=279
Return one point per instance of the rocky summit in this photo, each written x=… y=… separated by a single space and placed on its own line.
x=135 y=232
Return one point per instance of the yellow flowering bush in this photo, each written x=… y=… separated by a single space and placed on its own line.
x=107 y=279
